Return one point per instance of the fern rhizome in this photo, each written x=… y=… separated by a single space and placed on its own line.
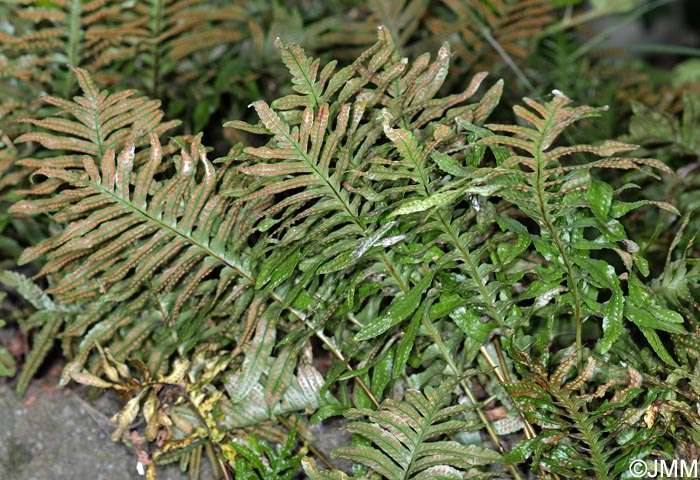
x=421 y=249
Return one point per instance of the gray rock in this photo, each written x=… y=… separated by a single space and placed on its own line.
x=54 y=435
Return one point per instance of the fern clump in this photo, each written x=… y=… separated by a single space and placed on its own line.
x=380 y=246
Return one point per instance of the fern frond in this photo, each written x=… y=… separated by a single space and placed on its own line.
x=543 y=182
x=487 y=26
x=100 y=122
x=48 y=315
x=161 y=35
x=674 y=136
x=311 y=157
x=437 y=198
x=574 y=424
x=136 y=226
x=404 y=437
x=161 y=47
x=348 y=30
x=146 y=230
x=106 y=36
x=304 y=391
x=258 y=458
x=320 y=141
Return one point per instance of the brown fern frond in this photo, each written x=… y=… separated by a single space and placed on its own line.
x=357 y=28
x=486 y=26
x=135 y=209
x=123 y=44
x=560 y=402
x=100 y=122
x=135 y=224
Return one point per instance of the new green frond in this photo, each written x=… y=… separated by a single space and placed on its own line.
x=407 y=438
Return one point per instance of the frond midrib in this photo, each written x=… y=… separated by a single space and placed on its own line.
x=324 y=178
x=144 y=213
x=427 y=421
x=540 y=177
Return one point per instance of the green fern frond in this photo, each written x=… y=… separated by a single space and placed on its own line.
x=257 y=459
x=321 y=142
x=665 y=133
x=312 y=158
x=48 y=316
x=544 y=182
x=404 y=438
x=420 y=166
x=303 y=391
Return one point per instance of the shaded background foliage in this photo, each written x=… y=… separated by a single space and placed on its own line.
x=391 y=235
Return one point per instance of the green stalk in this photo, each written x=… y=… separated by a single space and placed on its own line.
x=75 y=34
x=158 y=9
x=425 y=320
x=571 y=277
